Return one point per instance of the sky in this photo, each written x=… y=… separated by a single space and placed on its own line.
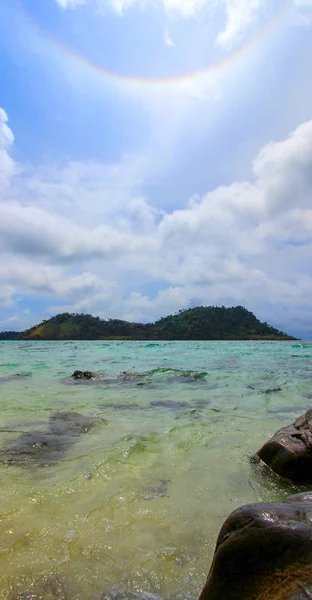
x=155 y=155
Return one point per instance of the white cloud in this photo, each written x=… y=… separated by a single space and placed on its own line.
x=303 y=3
x=284 y=171
x=248 y=219
x=70 y=3
x=6 y=141
x=240 y=14
x=28 y=230
x=168 y=39
x=185 y=8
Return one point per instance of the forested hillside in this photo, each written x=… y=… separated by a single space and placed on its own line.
x=201 y=323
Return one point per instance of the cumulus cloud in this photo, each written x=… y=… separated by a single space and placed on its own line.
x=46 y=279
x=31 y=231
x=247 y=219
x=87 y=239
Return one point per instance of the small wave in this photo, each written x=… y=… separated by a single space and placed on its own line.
x=170 y=372
x=302 y=345
x=151 y=345
x=24 y=374
x=266 y=387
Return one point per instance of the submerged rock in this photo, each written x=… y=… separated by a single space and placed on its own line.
x=47 y=447
x=289 y=451
x=71 y=423
x=15 y=377
x=171 y=404
x=159 y=490
x=264 y=552
x=119 y=406
x=36 y=447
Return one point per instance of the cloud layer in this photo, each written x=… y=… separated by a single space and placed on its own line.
x=85 y=237
x=238 y=14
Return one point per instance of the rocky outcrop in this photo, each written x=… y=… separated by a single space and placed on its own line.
x=264 y=552
x=289 y=451
x=82 y=375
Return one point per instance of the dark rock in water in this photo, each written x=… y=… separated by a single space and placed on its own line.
x=263 y=388
x=200 y=402
x=47 y=447
x=289 y=452
x=264 y=552
x=70 y=423
x=285 y=409
x=119 y=406
x=82 y=375
x=36 y=447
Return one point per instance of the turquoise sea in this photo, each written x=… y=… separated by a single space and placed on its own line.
x=134 y=505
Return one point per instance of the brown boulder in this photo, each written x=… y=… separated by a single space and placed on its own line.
x=264 y=552
x=289 y=451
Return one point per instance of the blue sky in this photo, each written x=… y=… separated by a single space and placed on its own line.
x=155 y=154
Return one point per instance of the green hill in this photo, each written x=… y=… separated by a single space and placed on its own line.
x=201 y=323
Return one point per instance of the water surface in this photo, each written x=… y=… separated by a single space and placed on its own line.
x=136 y=502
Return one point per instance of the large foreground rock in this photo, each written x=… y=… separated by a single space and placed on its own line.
x=289 y=452
x=264 y=552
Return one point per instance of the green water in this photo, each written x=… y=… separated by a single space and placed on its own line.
x=136 y=503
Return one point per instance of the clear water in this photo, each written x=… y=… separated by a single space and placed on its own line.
x=137 y=502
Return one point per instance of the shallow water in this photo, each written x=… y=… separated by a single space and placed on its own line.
x=135 y=504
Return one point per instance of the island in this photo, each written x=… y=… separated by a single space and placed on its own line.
x=199 y=323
